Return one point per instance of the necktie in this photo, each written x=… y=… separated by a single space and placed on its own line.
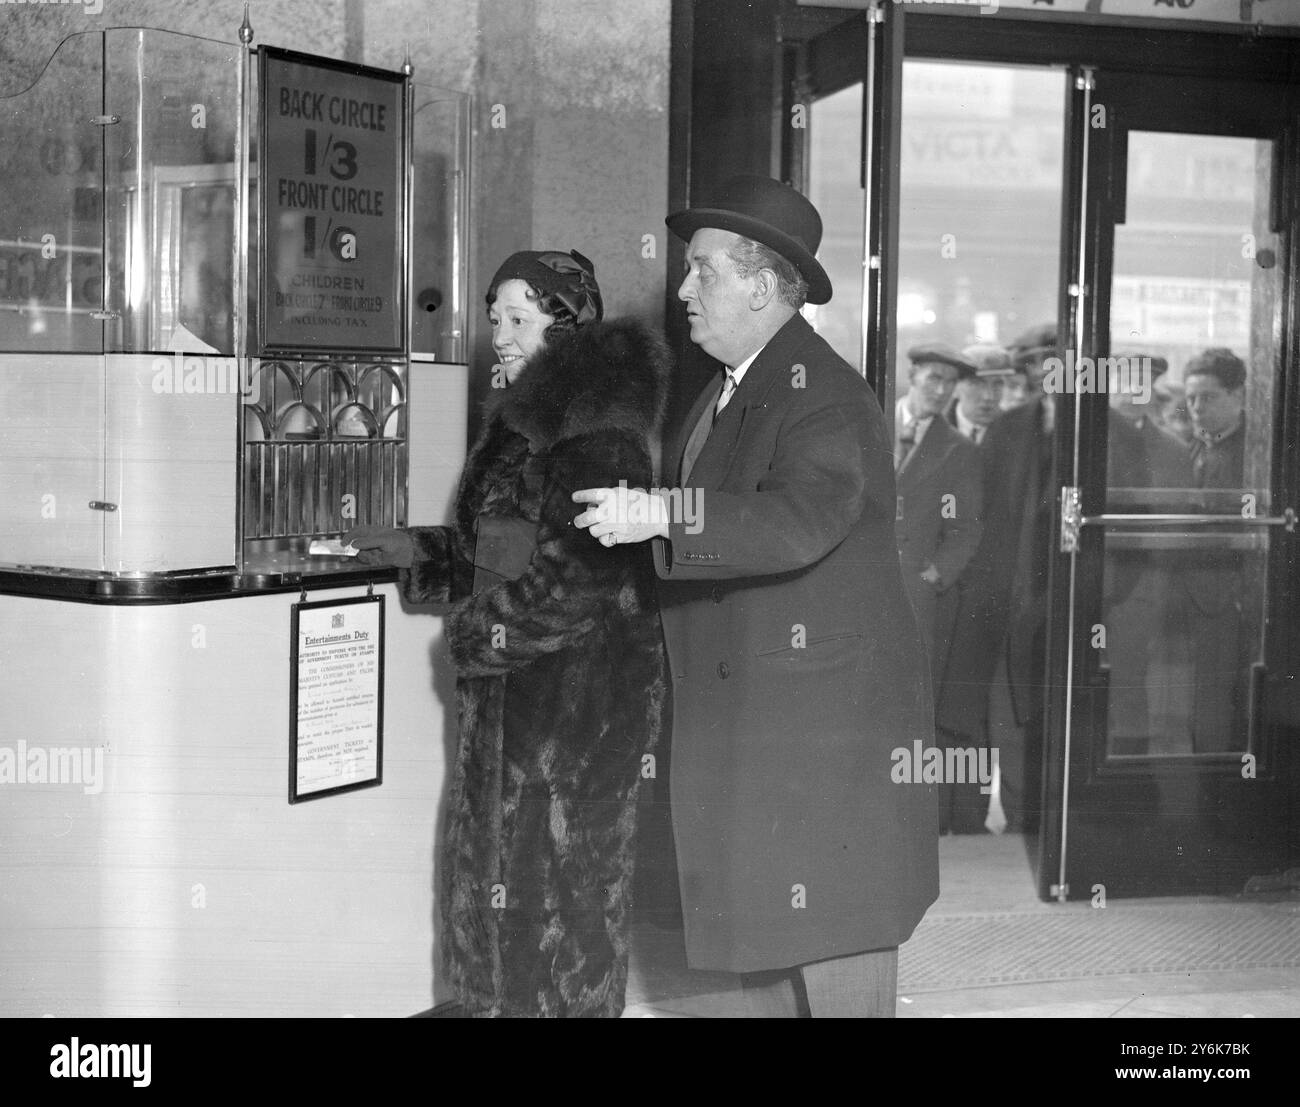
x=976 y=433
x=700 y=433
x=906 y=440
x=728 y=387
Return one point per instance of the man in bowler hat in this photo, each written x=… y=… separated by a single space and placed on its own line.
x=800 y=685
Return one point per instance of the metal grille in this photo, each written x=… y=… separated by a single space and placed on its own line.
x=325 y=447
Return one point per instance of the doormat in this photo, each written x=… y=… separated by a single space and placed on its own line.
x=1076 y=941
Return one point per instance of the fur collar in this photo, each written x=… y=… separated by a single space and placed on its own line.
x=601 y=376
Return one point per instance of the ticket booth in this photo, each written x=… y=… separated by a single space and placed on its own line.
x=232 y=325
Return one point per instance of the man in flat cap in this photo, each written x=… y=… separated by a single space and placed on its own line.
x=938 y=483
x=1140 y=453
x=994 y=682
x=939 y=498
x=800 y=686
x=978 y=398
x=933 y=372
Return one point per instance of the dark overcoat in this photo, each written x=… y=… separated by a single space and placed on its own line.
x=797 y=673
x=561 y=686
x=940 y=493
x=1142 y=455
x=1002 y=602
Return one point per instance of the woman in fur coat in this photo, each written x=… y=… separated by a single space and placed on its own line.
x=557 y=647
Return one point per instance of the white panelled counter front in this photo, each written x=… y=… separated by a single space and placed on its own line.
x=170 y=875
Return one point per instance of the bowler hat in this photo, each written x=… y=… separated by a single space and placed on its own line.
x=768 y=212
x=944 y=354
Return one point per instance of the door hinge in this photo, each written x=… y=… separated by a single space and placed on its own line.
x=105 y=120
x=1071 y=518
x=101 y=505
x=1085 y=81
x=1059 y=891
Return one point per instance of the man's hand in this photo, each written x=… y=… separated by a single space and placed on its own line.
x=382 y=546
x=931 y=576
x=620 y=515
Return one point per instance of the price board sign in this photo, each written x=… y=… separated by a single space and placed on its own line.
x=331 y=170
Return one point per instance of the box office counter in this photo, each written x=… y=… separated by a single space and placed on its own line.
x=177 y=425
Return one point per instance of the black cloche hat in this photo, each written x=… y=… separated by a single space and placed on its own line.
x=768 y=212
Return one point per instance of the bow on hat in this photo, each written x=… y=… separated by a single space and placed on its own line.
x=570 y=278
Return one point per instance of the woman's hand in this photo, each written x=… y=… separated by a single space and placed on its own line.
x=382 y=546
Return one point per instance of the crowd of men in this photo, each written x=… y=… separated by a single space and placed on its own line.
x=974 y=444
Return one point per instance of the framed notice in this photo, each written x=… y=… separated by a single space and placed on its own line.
x=331 y=186
x=336 y=697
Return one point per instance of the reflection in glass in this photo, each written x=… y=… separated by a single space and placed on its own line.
x=170 y=188
x=51 y=217
x=979 y=215
x=440 y=205
x=1194 y=294
x=979 y=210
x=834 y=148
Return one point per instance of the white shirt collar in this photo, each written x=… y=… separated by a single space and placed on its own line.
x=965 y=425
x=903 y=419
x=740 y=370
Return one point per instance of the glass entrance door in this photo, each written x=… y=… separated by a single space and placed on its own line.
x=1173 y=595
x=1130 y=649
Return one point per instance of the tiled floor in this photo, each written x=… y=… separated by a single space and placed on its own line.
x=991 y=876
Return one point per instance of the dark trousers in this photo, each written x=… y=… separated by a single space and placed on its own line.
x=962 y=807
x=859 y=986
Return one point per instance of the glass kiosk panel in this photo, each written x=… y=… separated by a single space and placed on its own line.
x=172 y=383
x=439 y=215
x=51 y=289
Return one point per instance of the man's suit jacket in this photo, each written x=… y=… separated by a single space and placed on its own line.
x=940 y=495
x=799 y=679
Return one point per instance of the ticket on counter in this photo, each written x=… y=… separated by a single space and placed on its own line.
x=330 y=547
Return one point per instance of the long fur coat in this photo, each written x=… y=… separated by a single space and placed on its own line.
x=561 y=686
